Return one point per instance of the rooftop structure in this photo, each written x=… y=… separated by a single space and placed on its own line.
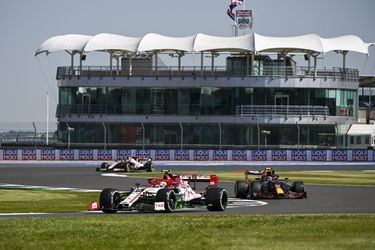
x=260 y=96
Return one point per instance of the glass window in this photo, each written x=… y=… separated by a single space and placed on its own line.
x=359 y=140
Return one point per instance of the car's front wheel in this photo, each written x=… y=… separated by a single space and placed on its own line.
x=298 y=187
x=109 y=200
x=168 y=196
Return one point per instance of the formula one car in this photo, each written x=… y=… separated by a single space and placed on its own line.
x=166 y=194
x=130 y=164
x=268 y=186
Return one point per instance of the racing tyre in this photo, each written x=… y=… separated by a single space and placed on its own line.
x=298 y=187
x=168 y=196
x=216 y=199
x=104 y=166
x=109 y=200
x=128 y=168
x=255 y=189
x=241 y=189
x=150 y=167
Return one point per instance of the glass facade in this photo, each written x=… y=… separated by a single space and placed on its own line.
x=201 y=101
x=201 y=134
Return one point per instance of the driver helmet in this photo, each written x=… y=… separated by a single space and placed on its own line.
x=268 y=171
x=149 y=159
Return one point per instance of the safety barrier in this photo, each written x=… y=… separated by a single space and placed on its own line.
x=188 y=155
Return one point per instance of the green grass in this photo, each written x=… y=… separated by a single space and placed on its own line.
x=308 y=177
x=191 y=232
x=24 y=201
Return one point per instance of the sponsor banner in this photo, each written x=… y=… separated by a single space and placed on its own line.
x=279 y=155
x=239 y=155
x=47 y=154
x=10 y=154
x=259 y=155
x=339 y=155
x=299 y=155
x=201 y=155
x=220 y=155
x=162 y=155
x=359 y=155
x=104 y=154
x=181 y=155
x=142 y=154
x=86 y=154
x=28 y=154
x=123 y=153
x=67 y=154
x=319 y=155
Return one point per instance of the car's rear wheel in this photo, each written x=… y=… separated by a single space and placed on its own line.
x=241 y=189
x=150 y=167
x=168 y=196
x=109 y=200
x=216 y=199
x=298 y=187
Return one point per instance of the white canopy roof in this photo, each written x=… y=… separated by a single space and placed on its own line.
x=107 y=42
x=156 y=42
x=201 y=42
x=215 y=43
x=349 y=43
x=303 y=43
x=71 y=42
x=362 y=129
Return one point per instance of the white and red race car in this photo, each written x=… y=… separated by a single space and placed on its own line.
x=130 y=164
x=166 y=194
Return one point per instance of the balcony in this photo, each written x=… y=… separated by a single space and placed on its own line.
x=344 y=74
x=194 y=110
x=281 y=110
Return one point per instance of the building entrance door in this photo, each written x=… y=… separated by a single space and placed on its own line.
x=86 y=103
x=281 y=104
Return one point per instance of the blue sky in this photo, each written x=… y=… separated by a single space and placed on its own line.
x=24 y=25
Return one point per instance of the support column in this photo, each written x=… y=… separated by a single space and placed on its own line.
x=182 y=136
x=110 y=62
x=202 y=63
x=219 y=135
x=252 y=63
x=179 y=61
x=247 y=64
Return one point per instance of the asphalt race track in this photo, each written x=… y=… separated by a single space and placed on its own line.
x=321 y=198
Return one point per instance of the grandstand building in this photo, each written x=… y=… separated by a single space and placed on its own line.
x=243 y=91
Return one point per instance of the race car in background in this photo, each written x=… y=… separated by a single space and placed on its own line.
x=166 y=194
x=268 y=186
x=130 y=164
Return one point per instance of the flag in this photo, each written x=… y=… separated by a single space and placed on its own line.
x=233 y=4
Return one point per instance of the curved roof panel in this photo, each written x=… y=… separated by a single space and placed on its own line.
x=153 y=42
x=205 y=42
x=349 y=43
x=310 y=42
x=106 y=42
x=72 y=42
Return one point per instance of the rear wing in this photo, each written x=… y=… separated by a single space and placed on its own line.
x=212 y=179
x=249 y=172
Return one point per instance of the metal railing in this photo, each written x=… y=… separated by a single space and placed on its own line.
x=300 y=72
x=147 y=109
x=281 y=110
